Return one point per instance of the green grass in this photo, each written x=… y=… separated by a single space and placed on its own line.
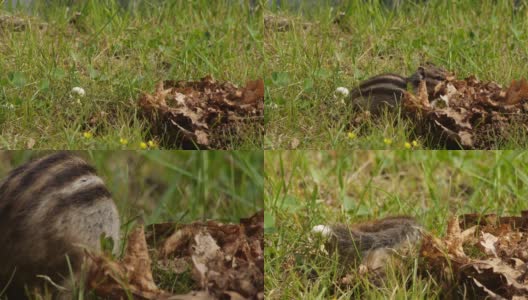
x=307 y=188
x=173 y=186
x=115 y=54
x=304 y=65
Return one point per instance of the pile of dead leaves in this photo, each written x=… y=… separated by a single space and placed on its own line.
x=204 y=114
x=481 y=256
x=469 y=114
x=226 y=261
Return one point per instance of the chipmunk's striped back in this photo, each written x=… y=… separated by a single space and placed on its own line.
x=48 y=208
x=387 y=90
x=376 y=92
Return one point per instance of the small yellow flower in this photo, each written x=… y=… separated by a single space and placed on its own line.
x=407 y=145
x=151 y=144
x=351 y=135
x=123 y=141
x=415 y=143
x=387 y=141
x=87 y=135
x=143 y=145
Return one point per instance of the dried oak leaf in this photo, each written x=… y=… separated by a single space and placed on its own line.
x=443 y=257
x=517 y=91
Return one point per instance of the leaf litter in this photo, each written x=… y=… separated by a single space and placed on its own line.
x=226 y=261
x=469 y=113
x=484 y=256
x=204 y=114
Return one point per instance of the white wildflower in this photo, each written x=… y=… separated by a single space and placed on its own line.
x=341 y=92
x=324 y=230
x=78 y=91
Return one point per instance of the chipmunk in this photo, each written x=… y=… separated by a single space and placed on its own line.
x=371 y=244
x=386 y=90
x=51 y=208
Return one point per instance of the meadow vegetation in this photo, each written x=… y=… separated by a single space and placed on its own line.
x=114 y=54
x=324 y=47
x=307 y=188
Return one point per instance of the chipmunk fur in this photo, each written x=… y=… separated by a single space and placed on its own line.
x=387 y=90
x=51 y=208
x=371 y=244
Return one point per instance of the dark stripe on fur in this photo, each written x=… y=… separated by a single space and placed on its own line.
x=394 y=79
x=65 y=177
x=84 y=197
x=37 y=170
x=379 y=90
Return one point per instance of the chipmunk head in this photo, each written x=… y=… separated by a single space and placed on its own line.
x=432 y=75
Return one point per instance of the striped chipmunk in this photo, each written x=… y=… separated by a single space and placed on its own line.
x=387 y=90
x=51 y=209
x=371 y=246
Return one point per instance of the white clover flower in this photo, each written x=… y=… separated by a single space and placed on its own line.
x=78 y=91
x=341 y=92
x=324 y=230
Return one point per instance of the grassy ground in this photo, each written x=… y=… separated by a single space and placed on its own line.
x=305 y=64
x=307 y=188
x=176 y=186
x=115 y=54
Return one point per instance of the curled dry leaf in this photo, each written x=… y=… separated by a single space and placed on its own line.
x=227 y=260
x=204 y=114
x=132 y=276
x=468 y=113
x=483 y=255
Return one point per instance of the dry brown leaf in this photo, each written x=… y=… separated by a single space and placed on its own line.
x=517 y=92
x=131 y=276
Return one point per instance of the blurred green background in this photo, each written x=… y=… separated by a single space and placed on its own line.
x=181 y=186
